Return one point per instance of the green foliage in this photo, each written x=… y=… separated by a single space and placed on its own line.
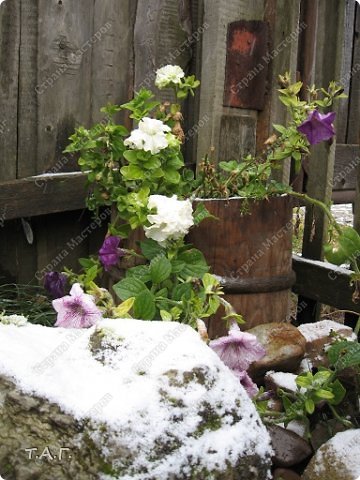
x=173 y=285
x=126 y=177
x=251 y=176
x=316 y=391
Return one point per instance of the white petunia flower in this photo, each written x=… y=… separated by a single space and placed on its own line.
x=167 y=75
x=151 y=136
x=172 y=219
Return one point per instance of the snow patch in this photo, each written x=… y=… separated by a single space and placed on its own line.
x=322 y=329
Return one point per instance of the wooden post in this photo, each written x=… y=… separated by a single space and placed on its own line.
x=225 y=124
x=285 y=31
x=9 y=71
x=329 y=65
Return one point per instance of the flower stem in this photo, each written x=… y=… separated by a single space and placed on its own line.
x=319 y=204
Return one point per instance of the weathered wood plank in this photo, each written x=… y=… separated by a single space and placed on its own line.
x=162 y=29
x=65 y=40
x=330 y=35
x=237 y=136
x=17 y=256
x=344 y=78
x=28 y=109
x=42 y=194
x=9 y=76
x=353 y=131
x=65 y=237
x=325 y=283
x=347 y=159
x=217 y=16
x=282 y=57
x=357 y=202
x=319 y=186
x=111 y=54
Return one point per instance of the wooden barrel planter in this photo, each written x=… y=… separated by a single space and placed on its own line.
x=252 y=255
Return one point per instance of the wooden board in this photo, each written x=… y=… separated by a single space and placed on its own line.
x=112 y=54
x=345 y=78
x=217 y=16
x=347 y=160
x=324 y=283
x=64 y=47
x=27 y=95
x=9 y=76
x=237 y=136
x=353 y=130
x=282 y=57
x=40 y=195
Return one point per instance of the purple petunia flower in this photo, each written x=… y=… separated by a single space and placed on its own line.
x=77 y=310
x=318 y=127
x=239 y=349
x=247 y=383
x=110 y=252
x=55 y=283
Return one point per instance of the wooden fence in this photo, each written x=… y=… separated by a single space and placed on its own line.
x=61 y=60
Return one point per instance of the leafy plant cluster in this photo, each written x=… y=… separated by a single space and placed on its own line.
x=251 y=177
x=173 y=285
x=322 y=393
x=125 y=177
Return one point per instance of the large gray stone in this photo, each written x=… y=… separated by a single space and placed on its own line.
x=129 y=400
x=337 y=459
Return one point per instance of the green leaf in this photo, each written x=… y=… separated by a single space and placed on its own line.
x=129 y=287
x=195 y=263
x=229 y=166
x=209 y=282
x=309 y=406
x=339 y=392
x=201 y=213
x=177 y=266
x=304 y=380
x=86 y=262
x=144 y=306
x=132 y=172
x=150 y=249
x=160 y=269
x=323 y=394
x=152 y=163
x=344 y=354
x=172 y=176
x=130 y=155
x=140 y=271
x=280 y=128
x=183 y=290
x=166 y=316
x=122 y=310
x=163 y=292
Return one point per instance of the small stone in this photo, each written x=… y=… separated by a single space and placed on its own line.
x=290 y=449
x=285 y=474
x=324 y=431
x=283 y=380
x=319 y=334
x=337 y=459
x=284 y=345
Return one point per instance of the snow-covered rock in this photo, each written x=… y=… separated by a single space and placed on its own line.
x=337 y=459
x=318 y=336
x=127 y=400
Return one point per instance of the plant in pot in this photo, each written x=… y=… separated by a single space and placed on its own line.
x=250 y=252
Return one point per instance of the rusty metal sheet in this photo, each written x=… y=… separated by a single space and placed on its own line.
x=247 y=60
